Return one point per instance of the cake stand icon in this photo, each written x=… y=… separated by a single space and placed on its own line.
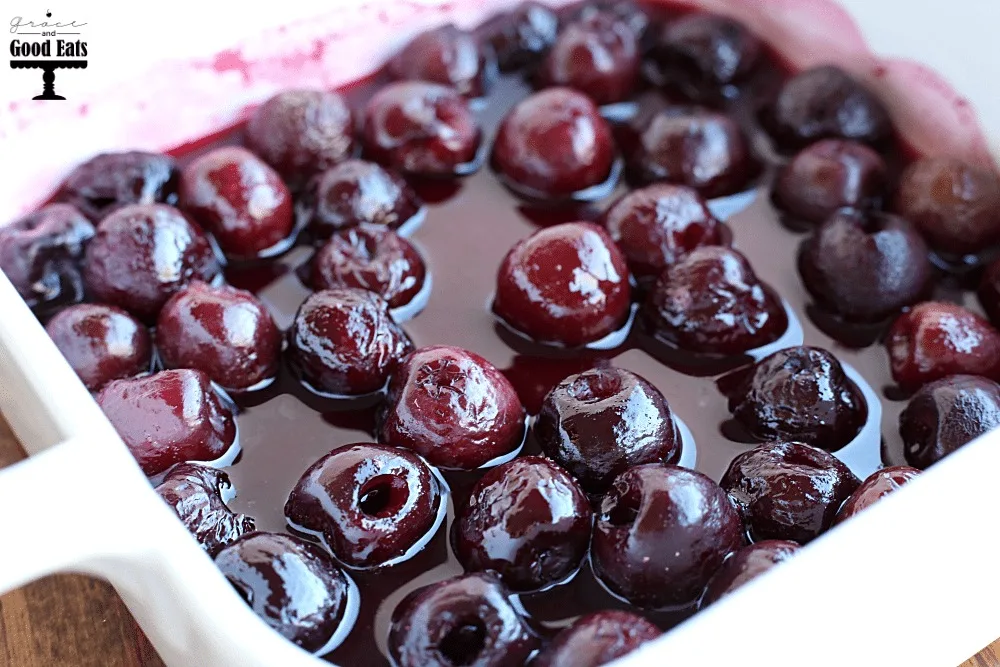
x=49 y=68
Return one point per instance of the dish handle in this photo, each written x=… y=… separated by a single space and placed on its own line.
x=62 y=510
x=84 y=506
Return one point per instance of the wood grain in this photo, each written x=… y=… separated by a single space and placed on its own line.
x=67 y=620
x=76 y=621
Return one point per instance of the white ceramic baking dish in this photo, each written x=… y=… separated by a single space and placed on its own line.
x=912 y=582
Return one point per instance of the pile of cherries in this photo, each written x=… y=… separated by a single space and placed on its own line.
x=125 y=268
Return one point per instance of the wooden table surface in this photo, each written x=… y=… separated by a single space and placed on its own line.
x=77 y=621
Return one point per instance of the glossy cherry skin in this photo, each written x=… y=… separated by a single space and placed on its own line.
x=344 y=341
x=371 y=503
x=421 y=128
x=294 y=586
x=141 y=255
x=877 y=485
x=596 y=639
x=599 y=423
x=169 y=417
x=554 y=144
x=535 y=376
x=372 y=258
x=597 y=55
x=711 y=302
x=522 y=37
x=865 y=267
x=526 y=520
x=989 y=292
x=446 y=55
x=945 y=415
x=955 y=205
x=101 y=343
x=703 y=53
x=798 y=393
x=453 y=408
x=936 y=339
x=109 y=181
x=566 y=284
x=355 y=193
x=626 y=11
x=661 y=533
x=238 y=198
x=702 y=149
x=788 y=490
x=301 y=133
x=466 y=620
x=657 y=225
x=829 y=175
x=746 y=565
x=194 y=492
x=40 y=254
x=826 y=103
x=225 y=332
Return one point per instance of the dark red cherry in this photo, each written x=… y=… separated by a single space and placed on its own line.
x=535 y=376
x=240 y=199
x=101 y=343
x=798 y=393
x=372 y=258
x=711 y=302
x=788 y=490
x=702 y=149
x=947 y=414
x=657 y=225
x=661 y=533
x=108 y=181
x=597 y=55
x=879 y=484
x=371 y=503
x=467 y=620
x=596 y=639
x=452 y=407
x=302 y=133
x=827 y=176
x=421 y=128
x=865 y=267
x=195 y=493
x=566 y=284
x=826 y=103
x=554 y=144
x=294 y=586
x=446 y=55
x=703 y=53
x=601 y=422
x=40 y=254
x=527 y=521
x=955 y=205
x=344 y=341
x=169 y=417
x=354 y=193
x=141 y=255
x=522 y=37
x=626 y=11
x=223 y=331
x=746 y=565
x=989 y=292
x=936 y=339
